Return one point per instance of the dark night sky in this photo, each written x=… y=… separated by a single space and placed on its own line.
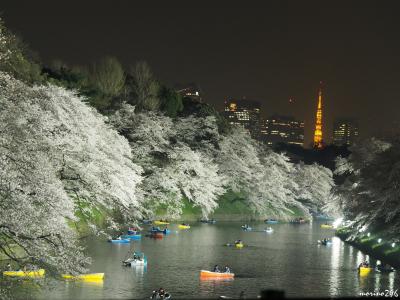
x=267 y=52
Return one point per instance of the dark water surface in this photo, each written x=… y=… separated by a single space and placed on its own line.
x=288 y=259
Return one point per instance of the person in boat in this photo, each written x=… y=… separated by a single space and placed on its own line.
x=241 y=295
x=363 y=264
x=227 y=270
x=161 y=293
x=238 y=242
x=216 y=269
x=8 y=267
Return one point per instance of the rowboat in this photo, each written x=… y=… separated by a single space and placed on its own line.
x=88 y=277
x=239 y=245
x=33 y=274
x=119 y=241
x=133 y=230
x=132 y=236
x=183 y=226
x=325 y=243
x=135 y=262
x=161 y=222
x=246 y=228
x=326 y=226
x=271 y=221
x=363 y=271
x=155 y=235
x=212 y=221
x=209 y=274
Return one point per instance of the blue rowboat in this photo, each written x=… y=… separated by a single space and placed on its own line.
x=121 y=241
x=271 y=221
x=132 y=236
x=158 y=230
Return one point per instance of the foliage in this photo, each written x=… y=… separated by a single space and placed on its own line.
x=108 y=76
x=314 y=185
x=370 y=194
x=16 y=59
x=144 y=88
x=171 y=102
x=75 y=77
x=55 y=151
x=173 y=171
x=188 y=158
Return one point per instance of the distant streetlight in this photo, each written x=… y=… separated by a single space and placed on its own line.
x=368 y=234
x=393 y=245
x=337 y=223
x=379 y=240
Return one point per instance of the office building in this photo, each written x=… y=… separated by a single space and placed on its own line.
x=244 y=113
x=345 y=131
x=282 y=129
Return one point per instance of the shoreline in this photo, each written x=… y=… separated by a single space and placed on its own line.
x=368 y=244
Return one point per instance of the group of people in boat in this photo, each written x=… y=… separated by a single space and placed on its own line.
x=133 y=229
x=218 y=270
x=160 y=294
x=379 y=266
x=384 y=268
x=325 y=241
x=363 y=264
x=134 y=257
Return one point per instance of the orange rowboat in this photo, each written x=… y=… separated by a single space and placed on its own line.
x=215 y=275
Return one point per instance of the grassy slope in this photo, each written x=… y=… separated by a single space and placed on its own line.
x=232 y=207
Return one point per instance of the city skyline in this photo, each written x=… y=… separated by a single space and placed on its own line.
x=275 y=54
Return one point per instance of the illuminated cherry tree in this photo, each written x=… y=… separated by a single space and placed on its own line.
x=55 y=153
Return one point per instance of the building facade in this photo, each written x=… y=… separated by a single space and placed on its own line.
x=345 y=131
x=190 y=90
x=282 y=129
x=244 y=113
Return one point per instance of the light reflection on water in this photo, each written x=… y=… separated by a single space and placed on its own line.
x=289 y=259
x=336 y=248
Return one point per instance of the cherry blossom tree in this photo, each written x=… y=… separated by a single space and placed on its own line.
x=369 y=195
x=172 y=170
x=56 y=152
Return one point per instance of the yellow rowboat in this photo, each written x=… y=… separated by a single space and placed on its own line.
x=326 y=226
x=36 y=273
x=160 y=223
x=88 y=277
x=364 y=271
x=181 y=226
x=239 y=245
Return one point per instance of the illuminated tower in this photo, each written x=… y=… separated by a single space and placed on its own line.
x=318 y=122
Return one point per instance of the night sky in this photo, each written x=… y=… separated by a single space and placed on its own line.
x=268 y=52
